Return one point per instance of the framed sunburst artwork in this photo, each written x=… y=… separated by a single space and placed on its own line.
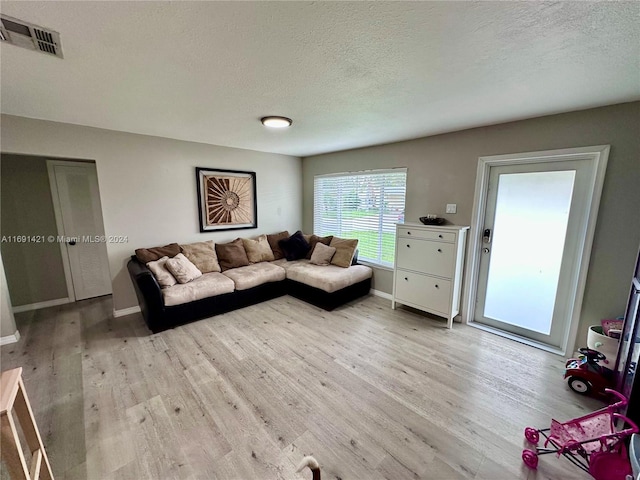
x=226 y=199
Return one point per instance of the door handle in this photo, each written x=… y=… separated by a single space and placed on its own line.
x=486 y=236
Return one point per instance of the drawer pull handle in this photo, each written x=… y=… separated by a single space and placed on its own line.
x=439 y=236
x=439 y=250
x=437 y=286
x=408 y=246
x=408 y=233
x=406 y=279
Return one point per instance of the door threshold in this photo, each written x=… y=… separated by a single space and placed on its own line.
x=518 y=338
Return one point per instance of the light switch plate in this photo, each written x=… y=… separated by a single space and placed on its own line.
x=452 y=208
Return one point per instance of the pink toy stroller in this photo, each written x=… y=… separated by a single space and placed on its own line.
x=591 y=442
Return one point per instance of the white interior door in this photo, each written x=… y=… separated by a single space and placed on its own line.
x=74 y=187
x=534 y=229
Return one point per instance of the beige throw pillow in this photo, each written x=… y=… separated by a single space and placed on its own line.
x=258 y=250
x=202 y=255
x=159 y=270
x=322 y=254
x=183 y=269
x=313 y=239
x=345 y=249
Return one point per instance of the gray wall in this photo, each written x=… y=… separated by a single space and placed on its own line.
x=7 y=322
x=148 y=188
x=442 y=169
x=34 y=269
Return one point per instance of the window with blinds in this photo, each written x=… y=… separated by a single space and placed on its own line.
x=363 y=205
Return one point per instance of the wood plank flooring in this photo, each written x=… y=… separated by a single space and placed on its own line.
x=372 y=393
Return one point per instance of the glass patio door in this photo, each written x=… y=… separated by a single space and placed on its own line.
x=532 y=231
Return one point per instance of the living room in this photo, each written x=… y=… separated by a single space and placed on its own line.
x=351 y=77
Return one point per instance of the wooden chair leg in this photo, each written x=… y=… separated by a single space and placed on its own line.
x=27 y=421
x=12 y=450
x=13 y=397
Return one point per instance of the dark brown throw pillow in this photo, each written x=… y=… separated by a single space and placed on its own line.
x=232 y=254
x=273 y=243
x=316 y=239
x=295 y=247
x=146 y=255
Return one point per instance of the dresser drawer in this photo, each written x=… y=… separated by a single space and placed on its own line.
x=434 y=258
x=426 y=234
x=431 y=293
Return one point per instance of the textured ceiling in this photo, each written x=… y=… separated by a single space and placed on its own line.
x=350 y=74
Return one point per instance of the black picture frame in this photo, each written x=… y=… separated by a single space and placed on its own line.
x=227 y=199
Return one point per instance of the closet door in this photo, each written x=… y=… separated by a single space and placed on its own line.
x=76 y=198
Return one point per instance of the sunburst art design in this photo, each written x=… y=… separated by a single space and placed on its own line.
x=228 y=200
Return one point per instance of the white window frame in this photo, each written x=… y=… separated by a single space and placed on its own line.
x=391 y=227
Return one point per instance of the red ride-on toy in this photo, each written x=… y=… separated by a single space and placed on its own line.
x=586 y=376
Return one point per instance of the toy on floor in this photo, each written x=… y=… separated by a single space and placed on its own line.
x=592 y=442
x=313 y=465
x=586 y=376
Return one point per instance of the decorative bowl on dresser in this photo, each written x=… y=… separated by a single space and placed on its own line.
x=428 y=268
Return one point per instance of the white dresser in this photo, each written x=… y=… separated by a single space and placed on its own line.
x=428 y=269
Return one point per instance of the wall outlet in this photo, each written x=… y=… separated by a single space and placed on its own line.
x=452 y=208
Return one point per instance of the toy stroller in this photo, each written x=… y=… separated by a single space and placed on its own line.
x=591 y=442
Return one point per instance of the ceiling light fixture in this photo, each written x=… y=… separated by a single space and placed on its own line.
x=276 y=122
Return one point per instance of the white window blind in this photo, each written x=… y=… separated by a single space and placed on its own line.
x=362 y=205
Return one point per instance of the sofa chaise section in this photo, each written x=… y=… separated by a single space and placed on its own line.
x=329 y=286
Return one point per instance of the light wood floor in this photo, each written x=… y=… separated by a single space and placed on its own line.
x=371 y=392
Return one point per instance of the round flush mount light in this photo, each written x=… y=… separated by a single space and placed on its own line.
x=276 y=122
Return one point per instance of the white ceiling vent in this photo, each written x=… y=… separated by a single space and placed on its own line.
x=27 y=35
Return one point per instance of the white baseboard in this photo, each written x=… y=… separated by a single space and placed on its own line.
x=378 y=293
x=39 y=305
x=10 y=338
x=125 y=311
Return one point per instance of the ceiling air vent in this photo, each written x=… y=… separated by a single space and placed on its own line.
x=27 y=35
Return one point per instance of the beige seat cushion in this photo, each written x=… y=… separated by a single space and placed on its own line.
x=345 y=249
x=202 y=255
x=258 y=250
x=330 y=278
x=254 y=275
x=286 y=264
x=163 y=276
x=208 y=285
